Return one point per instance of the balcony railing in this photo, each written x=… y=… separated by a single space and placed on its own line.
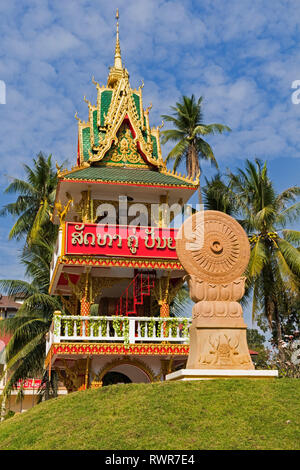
x=128 y=330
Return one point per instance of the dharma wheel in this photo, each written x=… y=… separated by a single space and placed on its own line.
x=213 y=246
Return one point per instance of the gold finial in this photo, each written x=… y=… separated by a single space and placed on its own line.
x=118 y=59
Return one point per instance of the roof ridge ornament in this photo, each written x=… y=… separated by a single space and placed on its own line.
x=117 y=71
x=118 y=58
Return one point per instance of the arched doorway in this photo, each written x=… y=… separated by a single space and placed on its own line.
x=114 y=377
x=125 y=371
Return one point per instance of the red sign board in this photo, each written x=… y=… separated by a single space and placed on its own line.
x=120 y=240
x=29 y=384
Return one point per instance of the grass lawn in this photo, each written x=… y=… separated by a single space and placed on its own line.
x=217 y=414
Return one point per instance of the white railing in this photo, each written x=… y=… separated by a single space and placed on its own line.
x=128 y=330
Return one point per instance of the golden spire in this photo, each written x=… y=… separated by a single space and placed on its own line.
x=116 y=72
x=118 y=59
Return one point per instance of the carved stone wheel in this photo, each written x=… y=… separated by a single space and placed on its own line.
x=213 y=246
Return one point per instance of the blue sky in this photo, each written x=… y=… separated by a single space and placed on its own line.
x=241 y=56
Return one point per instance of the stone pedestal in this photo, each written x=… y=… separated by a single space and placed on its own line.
x=214 y=250
x=218 y=332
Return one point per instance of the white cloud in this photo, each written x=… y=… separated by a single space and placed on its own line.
x=242 y=56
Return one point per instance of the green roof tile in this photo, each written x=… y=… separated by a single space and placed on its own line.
x=154 y=143
x=95 y=128
x=126 y=175
x=106 y=96
x=86 y=142
x=137 y=104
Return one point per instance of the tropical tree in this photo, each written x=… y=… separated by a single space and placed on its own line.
x=25 y=352
x=256 y=341
x=188 y=131
x=35 y=201
x=273 y=272
x=218 y=196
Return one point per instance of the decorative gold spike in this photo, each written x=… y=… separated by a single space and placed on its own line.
x=95 y=82
x=118 y=59
x=87 y=101
x=148 y=109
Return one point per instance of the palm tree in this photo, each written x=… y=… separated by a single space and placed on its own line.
x=34 y=204
x=25 y=352
x=189 y=128
x=217 y=195
x=273 y=272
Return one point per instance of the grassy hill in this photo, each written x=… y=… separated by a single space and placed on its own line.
x=218 y=414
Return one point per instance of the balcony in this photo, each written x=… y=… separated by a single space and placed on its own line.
x=126 y=330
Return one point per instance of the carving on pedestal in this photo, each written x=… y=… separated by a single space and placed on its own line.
x=214 y=250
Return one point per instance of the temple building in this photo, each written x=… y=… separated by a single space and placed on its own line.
x=115 y=266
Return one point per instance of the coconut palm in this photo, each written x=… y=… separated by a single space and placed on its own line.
x=25 y=352
x=35 y=200
x=274 y=268
x=218 y=196
x=188 y=130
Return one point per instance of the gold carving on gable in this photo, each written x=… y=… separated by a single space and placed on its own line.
x=124 y=150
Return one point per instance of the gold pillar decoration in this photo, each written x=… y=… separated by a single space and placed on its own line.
x=88 y=288
x=165 y=292
x=96 y=383
x=62 y=210
x=166 y=366
x=85 y=207
x=86 y=381
x=146 y=112
x=70 y=304
x=215 y=252
x=163 y=200
x=73 y=376
x=161 y=293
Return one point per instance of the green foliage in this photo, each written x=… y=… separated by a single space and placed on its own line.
x=285 y=360
x=49 y=386
x=217 y=195
x=273 y=273
x=187 y=132
x=25 y=352
x=35 y=200
x=121 y=327
x=256 y=342
x=9 y=414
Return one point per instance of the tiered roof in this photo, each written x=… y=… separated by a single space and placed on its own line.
x=116 y=144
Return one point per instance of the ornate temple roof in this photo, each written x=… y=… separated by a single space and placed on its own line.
x=107 y=174
x=116 y=144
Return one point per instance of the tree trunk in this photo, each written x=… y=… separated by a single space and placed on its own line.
x=193 y=166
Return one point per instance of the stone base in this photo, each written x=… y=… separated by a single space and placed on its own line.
x=207 y=374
